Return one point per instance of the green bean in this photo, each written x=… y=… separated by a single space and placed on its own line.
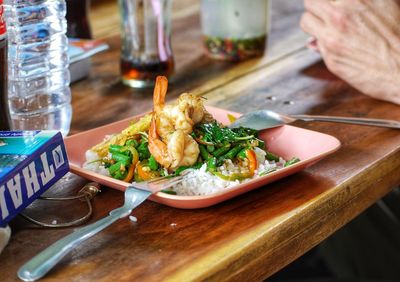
x=115 y=149
x=242 y=153
x=271 y=157
x=197 y=165
x=233 y=152
x=169 y=191
x=222 y=150
x=180 y=169
x=203 y=152
x=153 y=165
x=185 y=167
x=292 y=161
x=115 y=167
x=212 y=164
x=119 y=174
x=118 y=157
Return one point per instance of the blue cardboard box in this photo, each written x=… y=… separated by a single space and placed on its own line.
x=30 y=163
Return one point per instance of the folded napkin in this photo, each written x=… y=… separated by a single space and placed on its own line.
x=5 y=234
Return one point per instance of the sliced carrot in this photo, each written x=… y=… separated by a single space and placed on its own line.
x=251 y=156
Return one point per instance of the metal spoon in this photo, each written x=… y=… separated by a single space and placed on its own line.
x=265 y=119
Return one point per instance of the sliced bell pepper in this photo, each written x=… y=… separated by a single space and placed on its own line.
x=232 y=177
x=130 y=174
x=132 y=167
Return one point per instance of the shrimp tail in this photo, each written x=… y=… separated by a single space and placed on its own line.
x=160 y=90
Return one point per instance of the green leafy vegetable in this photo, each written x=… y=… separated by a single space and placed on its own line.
x=214 y=133
x=271 y=157
x=143 y=150
x=292 y=161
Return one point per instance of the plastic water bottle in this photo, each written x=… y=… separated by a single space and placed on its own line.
x=39 y=95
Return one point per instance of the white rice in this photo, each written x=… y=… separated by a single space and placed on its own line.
x=93 y=164
x=198 y=182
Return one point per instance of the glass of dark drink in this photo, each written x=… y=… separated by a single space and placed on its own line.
x=146 y=41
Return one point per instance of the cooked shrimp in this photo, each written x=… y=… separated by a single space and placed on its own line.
x=175 y=145
x=176 y=150
x=192 y=111
x=169 y=139
x=182 y=148
x=184 y=114
x=157 y=147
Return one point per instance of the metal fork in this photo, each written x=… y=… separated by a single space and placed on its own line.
x=135 y=194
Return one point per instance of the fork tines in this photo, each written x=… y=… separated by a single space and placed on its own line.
x=159 y=183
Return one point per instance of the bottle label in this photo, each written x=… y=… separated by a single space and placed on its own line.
x=2 y=21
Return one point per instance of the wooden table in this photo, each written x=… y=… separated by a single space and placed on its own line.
x=249 y=237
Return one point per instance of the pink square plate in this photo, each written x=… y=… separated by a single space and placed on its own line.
x=286 y=141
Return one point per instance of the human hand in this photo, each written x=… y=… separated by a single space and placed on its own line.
x=359 y=41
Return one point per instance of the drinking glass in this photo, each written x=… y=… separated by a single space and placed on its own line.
x=146 y=41
x=234 y=29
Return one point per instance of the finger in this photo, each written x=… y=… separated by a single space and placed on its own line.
x=312 y=44
x=312 y=25
x=319 y=8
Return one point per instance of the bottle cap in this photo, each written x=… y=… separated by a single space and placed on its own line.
x=2 y=21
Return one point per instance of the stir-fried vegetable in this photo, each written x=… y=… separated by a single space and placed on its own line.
x=219 y=143
x=131 y=160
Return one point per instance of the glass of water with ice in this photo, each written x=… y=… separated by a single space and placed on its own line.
x=235 y=29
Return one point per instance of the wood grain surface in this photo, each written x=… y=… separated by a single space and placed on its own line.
x=247 y=238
